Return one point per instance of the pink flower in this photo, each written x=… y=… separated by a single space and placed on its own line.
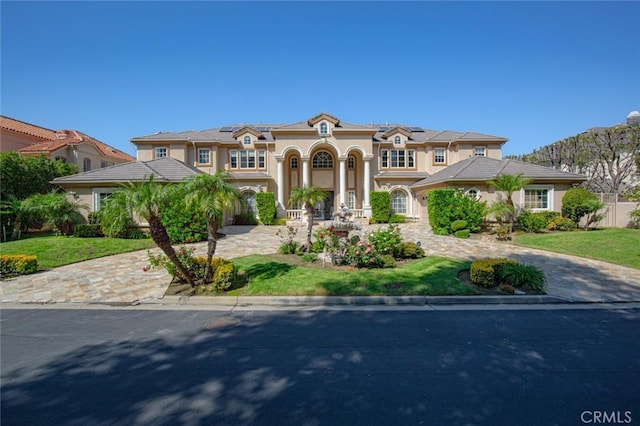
x=144 y=269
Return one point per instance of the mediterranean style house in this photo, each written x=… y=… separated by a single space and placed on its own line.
x=70 y=146
x=347 y=160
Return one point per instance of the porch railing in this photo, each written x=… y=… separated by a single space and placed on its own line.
x=300 y=214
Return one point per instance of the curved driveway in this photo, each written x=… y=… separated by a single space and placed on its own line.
x=121 y=279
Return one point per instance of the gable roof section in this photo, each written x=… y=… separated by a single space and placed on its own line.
x=482 y=169
x=74 y=137
x=323 y=116
x=164 y=170
x=26 y=128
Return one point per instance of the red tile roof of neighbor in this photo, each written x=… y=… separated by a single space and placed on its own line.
x=53 y=140
x=26 y=128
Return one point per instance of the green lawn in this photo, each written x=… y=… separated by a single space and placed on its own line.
x=429 y=276
x=54 y=251
x=615 y=245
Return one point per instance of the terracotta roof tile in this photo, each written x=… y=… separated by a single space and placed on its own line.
x=26 y=128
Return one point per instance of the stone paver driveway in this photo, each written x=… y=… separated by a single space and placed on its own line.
x=121 y=279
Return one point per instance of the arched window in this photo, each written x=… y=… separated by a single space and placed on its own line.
x=473 y=193
x=399 y=202
x=323 y=129
x=294 y=162
x=397 y=140
x=322 y=160
x=249 y=199
x=351 y=162
x=247 y=140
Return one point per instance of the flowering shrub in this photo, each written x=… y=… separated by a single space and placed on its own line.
x=17 y=264
x=386 y=241
x=288 y=244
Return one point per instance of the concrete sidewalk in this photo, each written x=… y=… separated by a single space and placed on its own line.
x=120 y=279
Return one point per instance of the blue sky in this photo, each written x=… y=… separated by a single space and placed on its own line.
x=534 y=72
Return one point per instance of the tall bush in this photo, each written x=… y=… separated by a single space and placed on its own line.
x=380 y=206
x=445 y=206
x=577 y=203
x=185 y=223
x=266 y=204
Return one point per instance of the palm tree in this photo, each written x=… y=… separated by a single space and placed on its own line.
x=510 y=184
x=213 y=194
x=308 y=196
x=57 y=210
x=146 y=199
x=17 y=210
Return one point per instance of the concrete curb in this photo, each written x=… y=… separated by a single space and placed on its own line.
x=306 y=301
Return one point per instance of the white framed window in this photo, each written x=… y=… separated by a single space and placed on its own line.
x=473 y=192
x=411 y=161
x=398 y=158
x=161 y=152
x=324 y=129
x=399 y=202
x=247 y=158
x=86 y=164
x=100 y=196
x=351 y=162
x=204 y=155
x=247 y=140
x=322 y=160
x=480 y=151
x=537 y=197
x=294 y=162
x=397 y=140
x=439 y=156
x=261 y=158
x=385 y=158
x=233 y=159
x=351 y=199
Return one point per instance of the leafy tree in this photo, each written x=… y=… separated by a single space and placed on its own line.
x=146 y=199
x=22 y=176
x=15 y=210
x=213 y=194
x=57 y=210
x=115 y=216
x=576 y=203
x=633 y=195
x=308 y=196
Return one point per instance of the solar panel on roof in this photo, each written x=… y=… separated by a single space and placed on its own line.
x=225 y=129
x=383 y=128
x=417 y=129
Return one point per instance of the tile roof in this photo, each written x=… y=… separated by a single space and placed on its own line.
x=165 y=170
x=482 y=169
x=74 y=137
x=26 y=128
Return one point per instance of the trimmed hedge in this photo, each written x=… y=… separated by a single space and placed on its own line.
x=380 y=206
x=483 y=271
x=458 y=225
x=266 y=204
x=410 y=250
x=17 y=264
x=88 y=231
x=462 y=233
x=446 y=206
x=575 y=203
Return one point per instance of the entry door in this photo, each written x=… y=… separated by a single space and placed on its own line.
x=324 y=209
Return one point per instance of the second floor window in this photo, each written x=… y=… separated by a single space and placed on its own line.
x=204 y=155
x=397 y=141
x=161 y=152
x=247 y=140
x=322 y=160
x=86 y=164
x=247 y=159
x=105 y=163
x=480 y=151
x=439 y=156
x=398 y=158
x=323 y=129
x=294 y=162
x=351 y=162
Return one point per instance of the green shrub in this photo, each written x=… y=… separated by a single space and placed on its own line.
x=576 y=203
x=310 y=257
x=483 y=271
x=87 y=231
x=522 y=276
x=410 y=250
x=386 y=241
x=93 y=218
x=246 y=218
x=17 y=264
x=397 y=218
x=561 y=224
x=184 y=223
x=445 y=206
x=458 y=224
x=441 y=231
x=280 y=221
x=386 y=261
x=266 y=205
x=462 y=233
x=224 y=276
x=135 y=233
x=289 y=247
x=380 y=206
x=531 y=222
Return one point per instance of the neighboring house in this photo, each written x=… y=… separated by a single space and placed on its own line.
x=70 y=146
x=347 y=160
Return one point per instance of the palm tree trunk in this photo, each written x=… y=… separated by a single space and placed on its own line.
x=162 y=240
x=310 y=212
x=212 y=244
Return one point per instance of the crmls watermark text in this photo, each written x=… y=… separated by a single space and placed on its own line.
x=606 y=417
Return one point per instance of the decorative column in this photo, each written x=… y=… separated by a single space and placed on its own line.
x=280 y=177
x=367 y=185
x=305 y=172
x=343 y=179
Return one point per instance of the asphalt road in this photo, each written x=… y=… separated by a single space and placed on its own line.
x=481 y=367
